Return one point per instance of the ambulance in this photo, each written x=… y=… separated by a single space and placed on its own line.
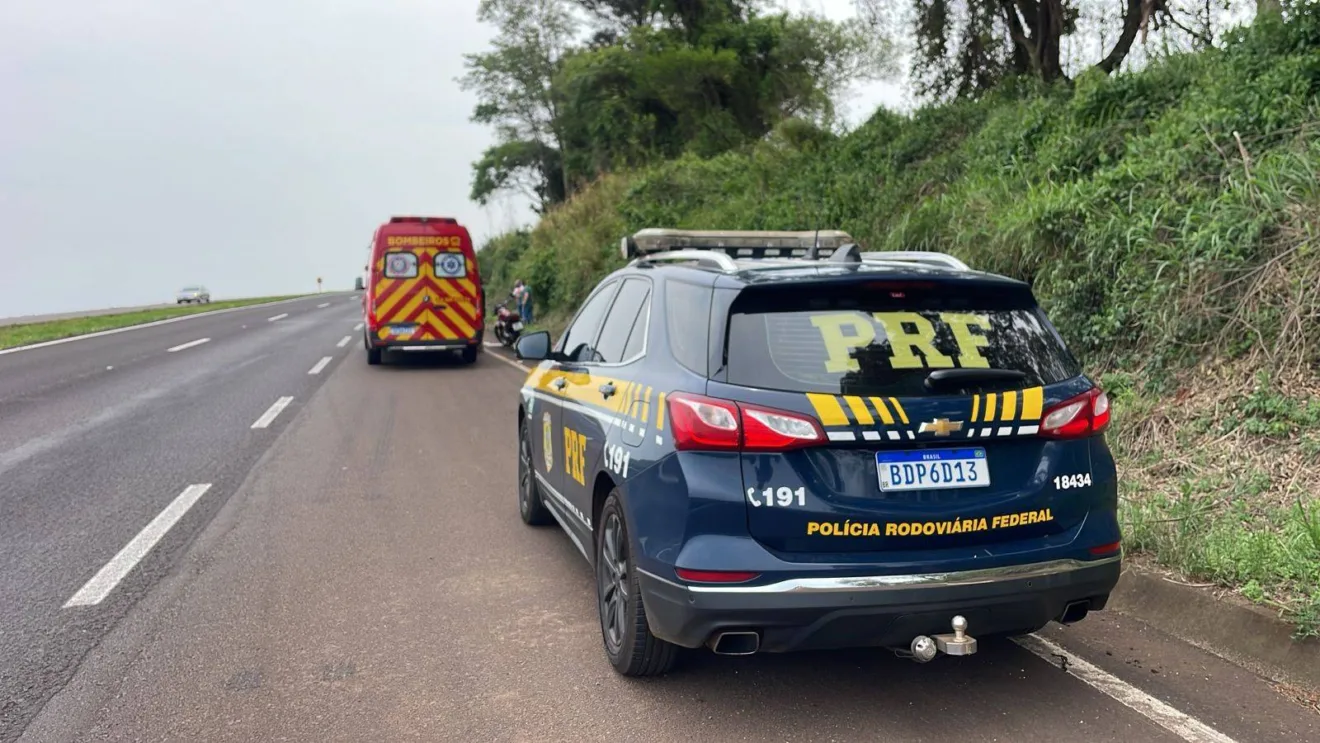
x=423 y=290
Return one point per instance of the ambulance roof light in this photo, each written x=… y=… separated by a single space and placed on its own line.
x=423 y=220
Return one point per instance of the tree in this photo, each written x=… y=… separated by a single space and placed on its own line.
x=962 y=48
x=655 y=95
x=513 y=83
x=622 y=15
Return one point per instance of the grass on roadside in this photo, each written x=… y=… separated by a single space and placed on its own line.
x=39 y=332
x=1216 y=484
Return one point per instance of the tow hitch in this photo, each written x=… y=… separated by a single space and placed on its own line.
x=924 y=649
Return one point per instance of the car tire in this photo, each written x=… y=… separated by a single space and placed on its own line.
x=373 y=356
x=530 y=507
x=629 y=644
x=469 y=355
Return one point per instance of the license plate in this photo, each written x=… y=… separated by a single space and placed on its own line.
x=517 y=326
x=403 y=329
x=932 y=469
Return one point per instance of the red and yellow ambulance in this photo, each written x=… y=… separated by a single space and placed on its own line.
x=423 y=290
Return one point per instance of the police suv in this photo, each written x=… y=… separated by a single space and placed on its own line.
x=773 y=441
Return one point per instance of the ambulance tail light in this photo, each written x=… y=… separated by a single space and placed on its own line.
x=1078 y=417
x=710 y=424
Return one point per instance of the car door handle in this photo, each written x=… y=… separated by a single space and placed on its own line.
x=607 y=390
x=559 y=383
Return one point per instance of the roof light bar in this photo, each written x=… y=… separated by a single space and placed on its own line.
x=736 y=243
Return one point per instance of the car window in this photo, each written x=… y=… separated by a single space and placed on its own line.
x=687 y=307
x=578 y=340
x=637 y=336
x=614 y=334
x=866 y=347
x=450 y=266
x=400 y=265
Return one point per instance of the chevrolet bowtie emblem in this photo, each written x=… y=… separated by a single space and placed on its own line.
x=941 y=426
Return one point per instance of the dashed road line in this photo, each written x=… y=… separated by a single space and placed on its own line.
x=268 y=417
x=277 y=317
x=344 y=341
x=105 y=580
x=322 y=306
x=189 y=344
x=358 y=326
x=1179 y=723
x=321 y=365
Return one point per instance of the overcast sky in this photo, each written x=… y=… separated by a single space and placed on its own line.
x=249 y=145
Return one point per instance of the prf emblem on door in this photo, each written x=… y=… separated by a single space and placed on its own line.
x=547 y=442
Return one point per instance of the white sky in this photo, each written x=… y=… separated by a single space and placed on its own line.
x=249 y=145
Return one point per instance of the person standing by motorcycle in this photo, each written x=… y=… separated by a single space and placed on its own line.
x=523 y=293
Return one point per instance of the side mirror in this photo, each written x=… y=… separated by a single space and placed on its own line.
x=533 y=346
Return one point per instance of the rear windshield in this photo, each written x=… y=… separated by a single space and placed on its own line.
x=886 y=349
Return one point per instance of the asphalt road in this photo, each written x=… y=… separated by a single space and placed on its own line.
x=98 y=435
x=365 y=577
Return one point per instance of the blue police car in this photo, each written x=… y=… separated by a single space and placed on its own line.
x=773 y=441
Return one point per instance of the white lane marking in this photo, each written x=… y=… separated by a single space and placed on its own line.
x=122 y=564
x=277 y=317
x=189 y=344
x=1179 y=723
x=269 y=416
x=358 y=326
x=344 y=341
x=488 y=344
x=322 y=306
x=156 y=323
x=509 y=361
x=321 y=365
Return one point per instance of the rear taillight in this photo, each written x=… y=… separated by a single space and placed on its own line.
x=1084 y=415
x=708 y=423
x=703 y=422
x=714 y=576
x=1106 y=549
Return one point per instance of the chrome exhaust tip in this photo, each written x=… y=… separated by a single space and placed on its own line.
x=738 y=642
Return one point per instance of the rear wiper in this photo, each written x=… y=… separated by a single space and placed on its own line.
x=961 y=378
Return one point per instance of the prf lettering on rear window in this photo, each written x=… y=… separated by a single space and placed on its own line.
x=909 y=334
x=424 y=241
x=575 y=455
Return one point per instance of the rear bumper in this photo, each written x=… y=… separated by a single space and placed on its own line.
x=885 y=611
x=410 y=345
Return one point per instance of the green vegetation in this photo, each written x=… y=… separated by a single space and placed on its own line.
x=39 y=332
x=658 y=79
x=1168 y=220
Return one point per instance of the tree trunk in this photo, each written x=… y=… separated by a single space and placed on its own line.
x=1049 y=39
x=1132 y=17
x=1268 y=7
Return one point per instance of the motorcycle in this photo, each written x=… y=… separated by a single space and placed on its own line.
x=508 y=324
